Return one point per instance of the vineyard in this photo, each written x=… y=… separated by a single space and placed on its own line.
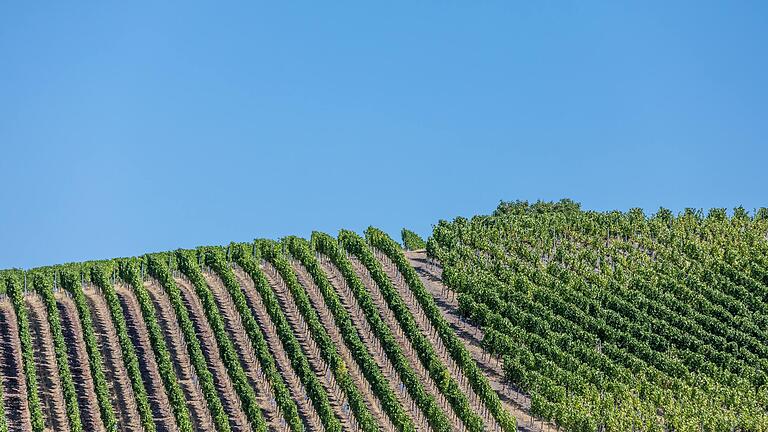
x=327 y=334
x=538 y=317
x=618 y=321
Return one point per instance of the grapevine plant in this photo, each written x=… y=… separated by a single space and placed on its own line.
x=15 y=291
x=301 y=250
x=618 y=321
x=3 y=421
x=103 y=275
x=436 y=418
x=129 y=271
x=455 y=347
x=298 y=359
x=279 y=388
x=71 y=280
x=412 y=241
x=157 y=267
x=187 y=262
x=42 y=281
x=274 y=254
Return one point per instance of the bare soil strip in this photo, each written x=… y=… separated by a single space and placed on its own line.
x=78 y=363
x=516 y=402
x=14 y=401
x=229 y=398
x=306 y=411
x=405 y=343
x=336 y=397
x=185 y=373
x=326 y=318
x=372 y=342
x=245 y=351
x=137 y=330
x=121 y=392
x=48 y=381
x=398 y=281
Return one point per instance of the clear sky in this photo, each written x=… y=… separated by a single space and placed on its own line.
x=127 y=128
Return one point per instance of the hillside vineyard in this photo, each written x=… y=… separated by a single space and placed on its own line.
x=538 y=317
x=616 y=321
x=328 y=335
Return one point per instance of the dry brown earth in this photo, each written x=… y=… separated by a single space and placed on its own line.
x=306 y=410
x=373 y=344
x=48 y=380
x=229 y=399
x=185 y=373
x=516 y=402
x=17 y=412
x=137 y=330
x=326 y=318
x=246 y=353
x=121 y=392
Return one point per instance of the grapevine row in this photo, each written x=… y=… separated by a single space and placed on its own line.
x=275 y=256
x=189 y=266
x=159 y=270
x=129 y=272
x=458 y=352
x=427 y=403
x=43 y=284
x=102 y=275
x=70 y=281
x=15 y=292
x=300 y=249
x=299 y=361
x=355 y=245
x=670 y=309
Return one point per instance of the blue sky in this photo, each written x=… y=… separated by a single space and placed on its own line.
x=129 y=128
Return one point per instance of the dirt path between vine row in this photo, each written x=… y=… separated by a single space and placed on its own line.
x=428 y=330
x=90 y=414
x=405 y=343
x=48 y=380
x=229 y=398
x=150 y=374
x=307 y=412
x=516 y=402
x=120 y=390
x=326 y=318
x=250 y=363
x=17 y=413
x=182 y=364
x=356 y=314
x=336 y=397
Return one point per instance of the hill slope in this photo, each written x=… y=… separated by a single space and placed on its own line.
x=537 y=317
x=321 y=335
x=618 y=321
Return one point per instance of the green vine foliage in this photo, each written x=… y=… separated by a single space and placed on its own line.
x=455 y=347
x=412 y=241
x=436 y=418
x=301 y=250
x=130 y=272
x=16 y=293
x=157 y=267
x=617 y=321
x=280 y=390
x=42 y=281
x=3 y=420
x=187 y=261
x=447 y=385
x=102 y=274
x=609 y=321
x=273 y=253
x=314 y=388
x=71 y=281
